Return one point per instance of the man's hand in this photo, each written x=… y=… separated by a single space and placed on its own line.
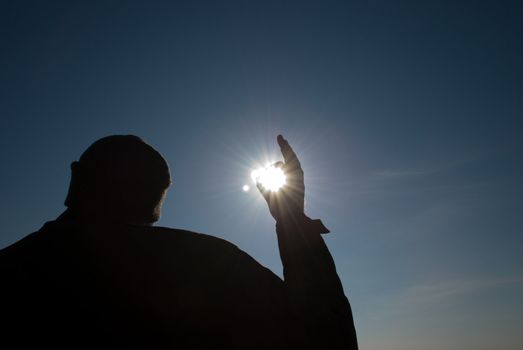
x=288 y=202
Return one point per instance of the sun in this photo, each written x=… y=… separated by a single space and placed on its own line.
x=270 y=177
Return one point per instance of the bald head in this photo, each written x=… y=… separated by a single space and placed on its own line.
x=119 y=178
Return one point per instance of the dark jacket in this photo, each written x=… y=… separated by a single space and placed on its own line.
x=124 y=286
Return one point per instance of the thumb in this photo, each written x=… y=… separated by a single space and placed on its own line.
x=263 y=191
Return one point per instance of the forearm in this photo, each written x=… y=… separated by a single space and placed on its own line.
x=313 y=288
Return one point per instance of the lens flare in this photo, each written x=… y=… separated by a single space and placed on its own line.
x=270 y=177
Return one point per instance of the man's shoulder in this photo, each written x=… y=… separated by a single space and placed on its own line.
x=54 y=231
x=150 y=245
x=170 y=233
x=209 y=248
x=26 y=243
x=182 y=240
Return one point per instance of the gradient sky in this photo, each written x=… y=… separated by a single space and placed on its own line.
x=407 y=117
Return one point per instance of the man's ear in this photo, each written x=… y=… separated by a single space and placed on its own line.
x=74 y=188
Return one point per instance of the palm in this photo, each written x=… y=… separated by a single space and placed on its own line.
x=288 y=202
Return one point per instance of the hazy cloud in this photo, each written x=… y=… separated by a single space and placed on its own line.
x=434 y=292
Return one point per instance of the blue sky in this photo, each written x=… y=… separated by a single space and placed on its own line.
x=407 y=116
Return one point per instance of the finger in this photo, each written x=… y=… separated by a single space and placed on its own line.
x=288 y=153
x=278 y=164
x=263 y=191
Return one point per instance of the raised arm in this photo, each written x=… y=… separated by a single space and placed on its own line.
x=314 y=291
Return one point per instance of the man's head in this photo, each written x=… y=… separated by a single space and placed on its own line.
x=118 y=178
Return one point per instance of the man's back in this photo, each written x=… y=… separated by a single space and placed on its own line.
x=136 y=286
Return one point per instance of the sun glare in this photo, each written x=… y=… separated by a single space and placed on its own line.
x=270 y=177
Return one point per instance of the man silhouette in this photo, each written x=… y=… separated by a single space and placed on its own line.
x=101 y=276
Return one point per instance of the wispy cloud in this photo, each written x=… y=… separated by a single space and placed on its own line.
x=435 y=292
x=432 y=296
x=430 y=168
